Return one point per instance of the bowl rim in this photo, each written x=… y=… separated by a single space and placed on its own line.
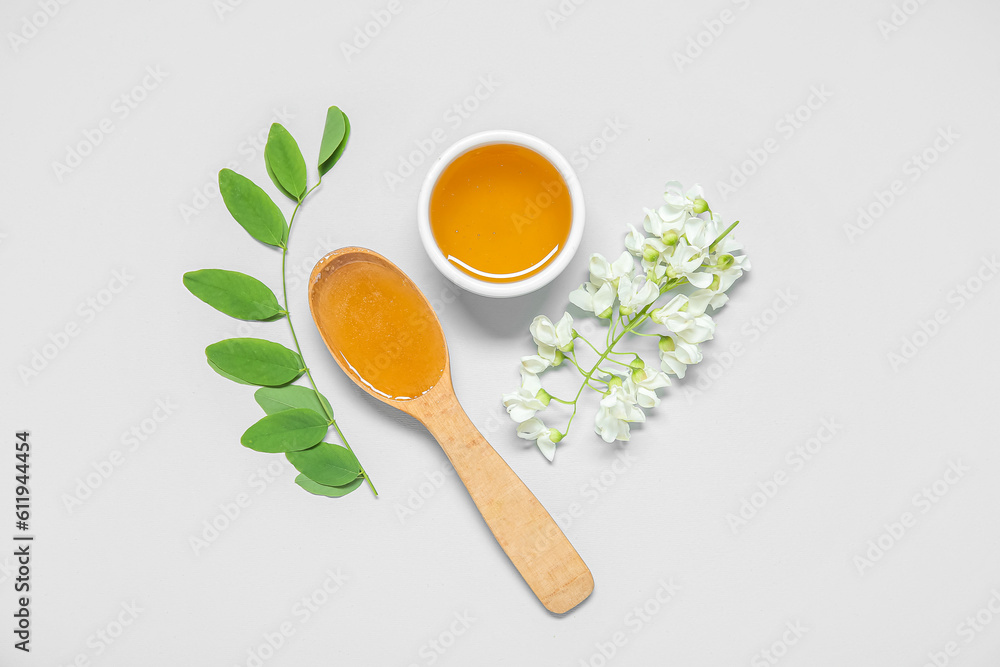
x=519 y=287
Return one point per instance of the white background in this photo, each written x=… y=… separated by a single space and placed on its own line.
x=855 y=298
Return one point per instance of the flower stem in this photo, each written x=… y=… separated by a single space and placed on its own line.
x=631 y=324
x=295 y=339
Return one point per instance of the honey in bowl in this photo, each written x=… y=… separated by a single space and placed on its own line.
x=501 y=212
x=382 y=328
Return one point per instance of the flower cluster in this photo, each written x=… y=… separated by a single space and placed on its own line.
x=684 y=249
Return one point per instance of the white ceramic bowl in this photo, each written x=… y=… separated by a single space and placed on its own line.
x=471 y=283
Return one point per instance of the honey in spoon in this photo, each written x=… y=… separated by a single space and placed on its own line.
x=381 y=327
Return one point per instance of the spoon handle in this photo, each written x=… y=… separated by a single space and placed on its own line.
x=526 y=532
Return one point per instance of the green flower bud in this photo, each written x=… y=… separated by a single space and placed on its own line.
x=625 y=310
x=606 y=315
x=669 y=237
x=639 y=375
x=700 y=206
x=555 y=436
x=568 y=348
x=615 y=382
x=637 y=363
x=544 y=397
x=650 y=254
x=666 y=344
x=725 y=261
x=559 y=358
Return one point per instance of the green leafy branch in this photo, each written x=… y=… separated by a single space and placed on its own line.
x=298 y=417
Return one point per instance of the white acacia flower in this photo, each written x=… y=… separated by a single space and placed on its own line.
x=534 y=429
x=652 y=253
x=685 y=261
x=658 y=223
x=522 y=405
x=634 y=241
x=534 y=364
x=602 y=271
x=676 y=356
x=700 y=300
x=593 y=299
x=636 y=293
x=643 y=385
x=700 y=233
x=657 y=273
x=680 y=204
x=677 y=246
x=531 y=383
x=729 y=268
x=690 y=325
x=728 y=244
x=618 y=409
x=550 y=337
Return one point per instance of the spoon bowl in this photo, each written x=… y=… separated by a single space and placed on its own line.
x=384 y=334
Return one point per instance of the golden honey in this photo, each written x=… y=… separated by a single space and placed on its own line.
x=382 y=328
x=501 y=212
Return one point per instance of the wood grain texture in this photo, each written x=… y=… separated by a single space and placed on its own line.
x=526 y=532
x=524 y=529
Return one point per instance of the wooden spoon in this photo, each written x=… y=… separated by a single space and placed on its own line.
x=532 y=540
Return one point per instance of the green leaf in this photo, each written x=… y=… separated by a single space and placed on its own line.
x=335 y=135
x=286 y=431
x=278 y=399
x=225 y=374
x=318 y=489
x=255 y=361
x=284 y=162
x=253 y=209
x=233 y=293
x=331 y=465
